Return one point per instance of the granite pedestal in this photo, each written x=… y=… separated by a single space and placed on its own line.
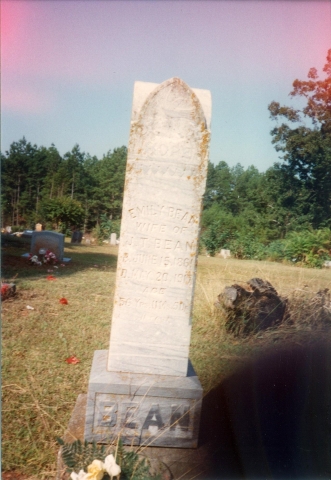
x=144 y=409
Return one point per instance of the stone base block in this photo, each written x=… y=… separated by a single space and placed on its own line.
x=154 y=410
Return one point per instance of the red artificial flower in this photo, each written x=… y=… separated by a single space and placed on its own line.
x=50 y=277
x=73 y=360
x=4 y=289
x=63 y=301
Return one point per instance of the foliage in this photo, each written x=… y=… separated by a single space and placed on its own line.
x=275 y=251
x=133 y=467
x=307 y=247
x=77 y=456
x=246 y=247
x=36 y=180
x=307 y=149
x=311 y=248
x=63 y=211
x=215 y=237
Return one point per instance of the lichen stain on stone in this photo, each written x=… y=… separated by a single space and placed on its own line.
x=203 y=154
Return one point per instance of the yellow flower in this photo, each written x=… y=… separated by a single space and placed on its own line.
x=95 y=470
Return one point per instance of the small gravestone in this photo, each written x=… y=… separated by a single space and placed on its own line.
x=52 y=241
x=38 y=227
x=113 y=239
x=149 y=393
x=225 y=253
x=8 y=229
x=76 y=236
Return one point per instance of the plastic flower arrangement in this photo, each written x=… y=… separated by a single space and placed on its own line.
x=34 y=260
x=50 y=257
x=4 y=290
x=97 y=469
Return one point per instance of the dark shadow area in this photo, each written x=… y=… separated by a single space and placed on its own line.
x=272 y=418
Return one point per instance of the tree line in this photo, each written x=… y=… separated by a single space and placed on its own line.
x=241 y=206
x=284 y=212
x=39 y=185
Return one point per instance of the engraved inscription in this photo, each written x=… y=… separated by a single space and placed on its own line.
x=163 y=211
x=144 y=417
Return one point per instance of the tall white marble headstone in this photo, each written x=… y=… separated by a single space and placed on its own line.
x=149 y=391
x=165 y=181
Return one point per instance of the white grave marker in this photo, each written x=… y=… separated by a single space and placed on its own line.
x=113 y=239
x=148 y=373
x=165 y=181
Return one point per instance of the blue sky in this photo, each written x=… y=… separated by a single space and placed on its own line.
x=68 y=67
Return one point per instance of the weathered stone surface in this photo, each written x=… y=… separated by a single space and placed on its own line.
x=145 y=409
x=52 y=241
x=184 y=463
x=251 y=307
x=165 y=181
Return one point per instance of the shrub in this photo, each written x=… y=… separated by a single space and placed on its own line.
x=275 y=251
x=246 y=247
x=309 y=248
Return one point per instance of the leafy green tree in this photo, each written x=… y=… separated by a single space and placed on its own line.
x=218 y=184
x=53 y=163
x=19 y=164
x=307 y=147
x=110 y=174
x=74 y=172
x=64 y=212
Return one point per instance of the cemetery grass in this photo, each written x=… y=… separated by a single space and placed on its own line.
x=40 y=389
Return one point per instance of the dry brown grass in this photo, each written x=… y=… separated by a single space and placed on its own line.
x=214 y=353
x=40 y=388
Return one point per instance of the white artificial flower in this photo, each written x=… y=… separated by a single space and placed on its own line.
x=111 y=466
x=81 y=475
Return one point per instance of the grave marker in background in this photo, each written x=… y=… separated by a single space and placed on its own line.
x=76 y=236
x=113 y=239
x=150 y=392
x=52 y=241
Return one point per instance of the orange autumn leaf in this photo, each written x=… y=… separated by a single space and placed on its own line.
x=63 y=301
x=73 y=360
x=50 y=277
